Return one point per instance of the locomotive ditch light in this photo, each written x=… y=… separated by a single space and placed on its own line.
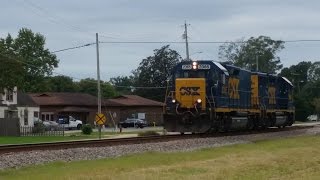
x=173 y=101
x=199 y=101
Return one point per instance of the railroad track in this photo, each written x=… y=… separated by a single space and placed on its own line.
x=133 y=140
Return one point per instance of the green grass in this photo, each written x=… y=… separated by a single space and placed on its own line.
x=68 y=137
x=36 y=139
x=292 y=158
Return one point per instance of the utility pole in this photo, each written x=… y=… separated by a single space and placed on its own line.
x=98 y=78
x=185 y=36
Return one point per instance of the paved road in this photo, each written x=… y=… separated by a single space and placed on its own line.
x=158 y=128
x=307 y=124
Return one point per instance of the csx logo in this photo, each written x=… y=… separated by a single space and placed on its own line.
x=272 y=95
x=189 y=91
x=233 y=86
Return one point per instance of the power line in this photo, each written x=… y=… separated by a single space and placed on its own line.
x=197 y=42
x=72 y=77
x=173 y=42
x=140 y=87
x=40 y=11
x=75 y=47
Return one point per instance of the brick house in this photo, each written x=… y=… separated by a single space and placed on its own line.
x=79 y=105
x=84 y=107
x=132 y=106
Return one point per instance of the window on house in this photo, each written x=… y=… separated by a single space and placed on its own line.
x=47 y=116
x=36 y=114
x=9 y=95
x=25 y=117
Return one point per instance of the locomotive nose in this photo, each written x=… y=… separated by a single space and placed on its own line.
x=190 y=92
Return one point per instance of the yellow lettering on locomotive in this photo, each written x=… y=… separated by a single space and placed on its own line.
x=254 y=90
x=189 y=90
x=272 y=95
x=233 y=86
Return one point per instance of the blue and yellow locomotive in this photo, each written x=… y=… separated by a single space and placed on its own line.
x=206 y=96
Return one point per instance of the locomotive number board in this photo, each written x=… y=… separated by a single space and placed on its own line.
x=199 y=66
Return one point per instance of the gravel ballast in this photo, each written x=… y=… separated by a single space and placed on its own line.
x=22 y=159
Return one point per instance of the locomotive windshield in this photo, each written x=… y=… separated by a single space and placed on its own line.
x=192 y=74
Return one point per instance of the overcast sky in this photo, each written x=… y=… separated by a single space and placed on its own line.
x=75 y=22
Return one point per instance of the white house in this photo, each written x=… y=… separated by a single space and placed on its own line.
x=27 y=109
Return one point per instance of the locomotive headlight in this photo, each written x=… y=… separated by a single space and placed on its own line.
x=173 y=101
x=199 y=101
x=194 y=65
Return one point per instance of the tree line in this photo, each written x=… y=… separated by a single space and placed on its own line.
x=26 y=63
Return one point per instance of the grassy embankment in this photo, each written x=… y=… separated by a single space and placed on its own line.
x=68 y=137
x=293 y=158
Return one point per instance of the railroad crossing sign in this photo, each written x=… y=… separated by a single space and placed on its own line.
x=100 y=118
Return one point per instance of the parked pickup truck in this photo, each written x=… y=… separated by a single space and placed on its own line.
x=70 y=122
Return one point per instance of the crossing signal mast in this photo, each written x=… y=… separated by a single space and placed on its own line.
x=185 y=36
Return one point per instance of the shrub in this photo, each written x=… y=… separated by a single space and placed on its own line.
x=86 y=129
x=148 y=133
x=39 y=127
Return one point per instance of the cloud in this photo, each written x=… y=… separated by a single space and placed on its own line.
x=72 y=23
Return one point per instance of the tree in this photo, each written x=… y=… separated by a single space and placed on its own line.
x=316 y=104
x=123 y=84
x=304 y=77
x=305 y=99
x=60 y=84
x=11 y=73
x=245 y=53
x=89 y=86
x=29 y=49
x=153 y=71
x=314 y=71
x=298 y=74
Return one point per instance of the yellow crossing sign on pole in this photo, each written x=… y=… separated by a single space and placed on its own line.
x=100 y=118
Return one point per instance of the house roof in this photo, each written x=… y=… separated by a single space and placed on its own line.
x=56 y=99
x=82 y=99
x=131 y=100
x=24 y=99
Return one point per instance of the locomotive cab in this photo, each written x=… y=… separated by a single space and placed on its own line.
x=195 y=84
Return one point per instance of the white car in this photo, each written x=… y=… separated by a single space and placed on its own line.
x=313 y=117
x=70 y=122
x=51 y=125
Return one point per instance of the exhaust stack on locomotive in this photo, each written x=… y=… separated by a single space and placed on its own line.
x=206 y=95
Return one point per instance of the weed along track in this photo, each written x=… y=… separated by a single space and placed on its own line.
x=132 y=140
